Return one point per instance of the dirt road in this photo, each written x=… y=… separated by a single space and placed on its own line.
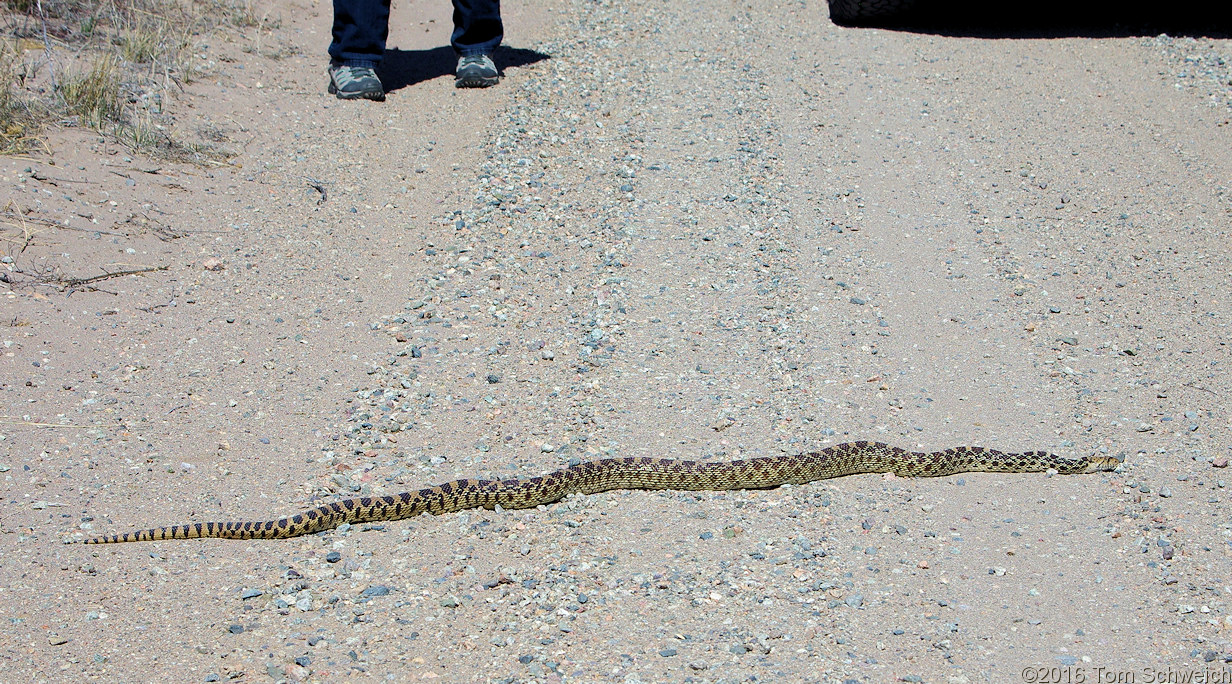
x=707 y=230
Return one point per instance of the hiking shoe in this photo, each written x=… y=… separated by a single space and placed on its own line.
x=476 y=71
x=355 y=82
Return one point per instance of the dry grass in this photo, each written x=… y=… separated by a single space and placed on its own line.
x=108 y=64
x=95 y=94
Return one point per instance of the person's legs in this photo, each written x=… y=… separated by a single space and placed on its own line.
x=361 y=28
x=477 y=27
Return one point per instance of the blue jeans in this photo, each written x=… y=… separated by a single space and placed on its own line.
x=361 y=28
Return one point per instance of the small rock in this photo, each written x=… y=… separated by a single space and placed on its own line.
x=375 y=590
x=251 y=593
x=236 y=629
x=212 y=264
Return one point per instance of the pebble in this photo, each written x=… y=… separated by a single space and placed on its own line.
x=854 y=600
x=375 y=590
x=236 y=629
x=251 y=593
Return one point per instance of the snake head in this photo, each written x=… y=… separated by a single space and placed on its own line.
x=1097 y=463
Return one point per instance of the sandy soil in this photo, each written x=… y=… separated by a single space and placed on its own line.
x=706 y=230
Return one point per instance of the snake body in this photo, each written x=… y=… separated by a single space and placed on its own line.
x=609 y=474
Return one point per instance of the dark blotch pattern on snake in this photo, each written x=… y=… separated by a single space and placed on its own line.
x=604 y=475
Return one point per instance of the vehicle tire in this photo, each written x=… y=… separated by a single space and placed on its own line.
x=864 y=12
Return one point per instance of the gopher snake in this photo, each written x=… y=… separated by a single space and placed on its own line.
x=593 y=477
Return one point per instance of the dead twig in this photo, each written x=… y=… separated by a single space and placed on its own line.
x=23 y=219
x=51 y=60
x=319 y=187
x=155 y=307
x=12 y=420
x=67 y=283
x=1199 y=388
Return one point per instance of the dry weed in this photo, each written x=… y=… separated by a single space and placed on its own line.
x=107 y=64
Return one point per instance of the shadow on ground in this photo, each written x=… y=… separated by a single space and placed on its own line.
x=1061 y=19
x=404 y=68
